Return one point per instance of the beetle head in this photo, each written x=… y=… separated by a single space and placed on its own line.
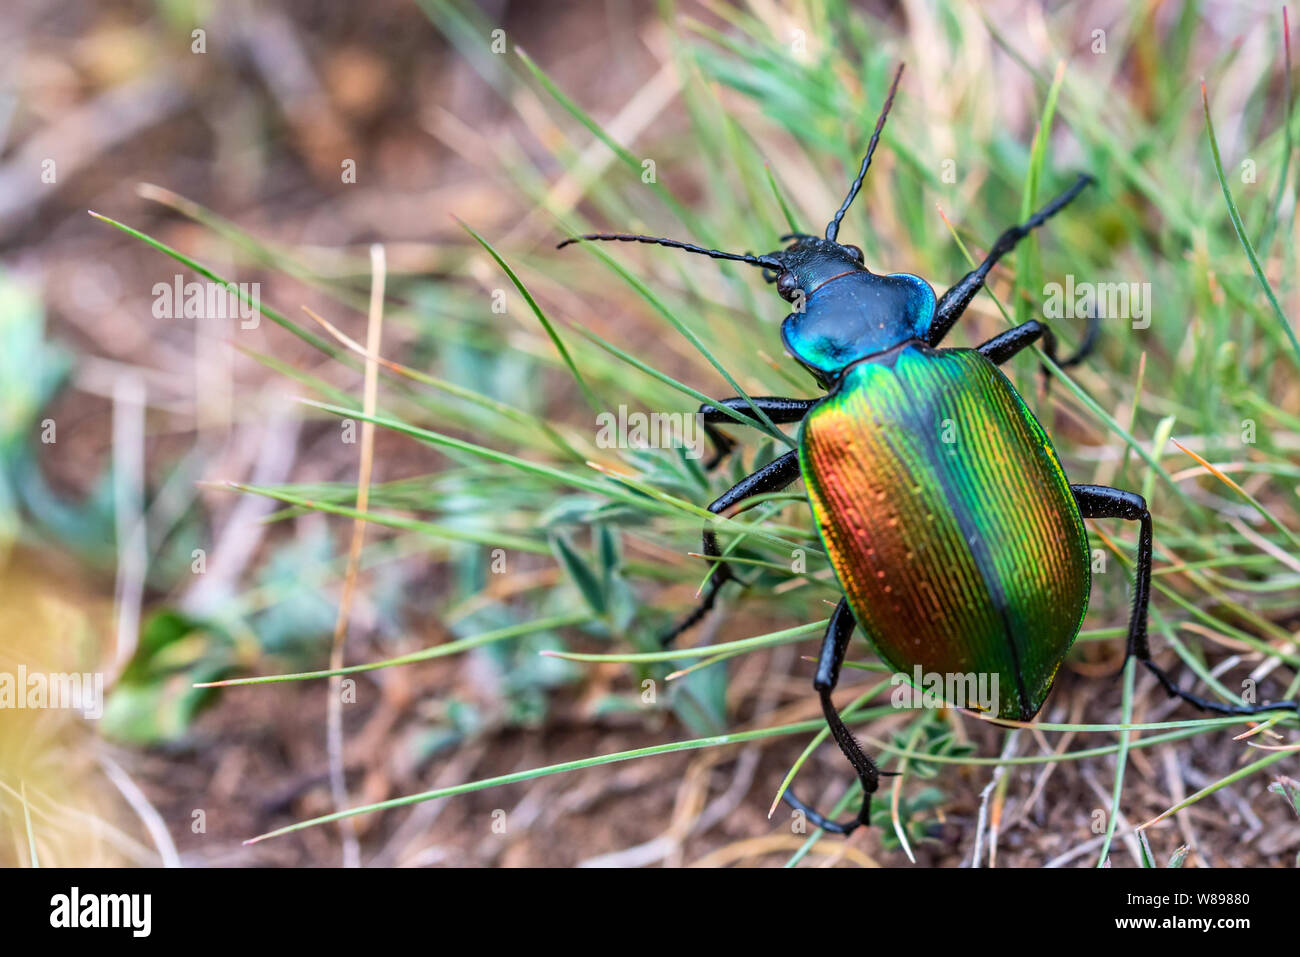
x=878 y=313
x=810 y=262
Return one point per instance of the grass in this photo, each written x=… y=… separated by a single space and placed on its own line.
x=768 y=136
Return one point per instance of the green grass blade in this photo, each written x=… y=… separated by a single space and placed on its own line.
x=278 y=318
x=1240 y=228
x=437 y=651
x=1121 y=761
x=541 y=317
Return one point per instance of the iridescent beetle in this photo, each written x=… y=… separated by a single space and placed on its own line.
x=960 y=557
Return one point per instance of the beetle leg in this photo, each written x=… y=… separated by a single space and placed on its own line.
x=772 y=477
x=834 y=645
x=1002 y=347
x=779 y=410
x=954 y=302
x=1101 y=501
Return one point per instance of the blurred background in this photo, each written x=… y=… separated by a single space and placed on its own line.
x=275 y=144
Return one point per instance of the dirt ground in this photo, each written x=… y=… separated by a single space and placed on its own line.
x=378 y=76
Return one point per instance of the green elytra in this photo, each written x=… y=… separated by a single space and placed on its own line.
x=953 y=531
x=949 y=522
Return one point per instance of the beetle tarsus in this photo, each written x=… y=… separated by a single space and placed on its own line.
x=826 y=824
x=954 y=302
x=720 y=577
x=1101 y=501
x=1090 y=335
x=723 y=444
x=772 y=477
x=834 y=646
x=1216 y=707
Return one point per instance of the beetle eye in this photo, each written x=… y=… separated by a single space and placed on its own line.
x=855 y=252
x=787 y=286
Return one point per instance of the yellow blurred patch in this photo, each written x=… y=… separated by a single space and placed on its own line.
x=50 y=624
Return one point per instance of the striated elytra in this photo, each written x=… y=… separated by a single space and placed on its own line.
x=965 y=556
x=954 y=533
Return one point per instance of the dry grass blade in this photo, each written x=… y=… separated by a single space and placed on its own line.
x=338 y=785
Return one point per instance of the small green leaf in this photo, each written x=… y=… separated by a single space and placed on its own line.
x=587 y=581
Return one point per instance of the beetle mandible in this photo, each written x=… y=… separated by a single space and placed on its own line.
x=965 y=558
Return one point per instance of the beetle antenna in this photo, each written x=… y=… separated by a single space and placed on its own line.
x=767 y=262
x=833 y=227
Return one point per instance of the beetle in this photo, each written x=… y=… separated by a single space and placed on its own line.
x=957 y=557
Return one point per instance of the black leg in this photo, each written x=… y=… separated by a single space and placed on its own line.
x=1002 y=347
x=954 y=302
x=779 y=410
x=834 y=645
x=1100 y=501
x=772 y=477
